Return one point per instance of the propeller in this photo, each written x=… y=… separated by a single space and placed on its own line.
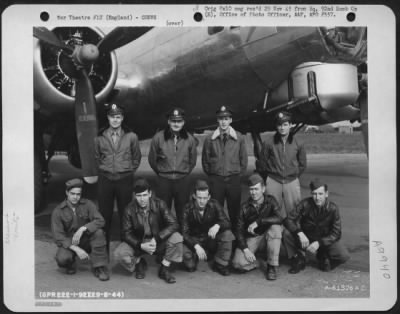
x=120 y=36
x=86 y=123
x=83 y=56
x=49 y=37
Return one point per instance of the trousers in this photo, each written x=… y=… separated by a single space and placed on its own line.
x=94 y=244
x=287 y=194
x=336 y=252
x=177 y=190
x=170 y=249
x=220 y=247
x=228 y=188
x=108 y=191
x=271 y=239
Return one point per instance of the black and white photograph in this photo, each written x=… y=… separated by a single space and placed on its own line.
x=213 y=160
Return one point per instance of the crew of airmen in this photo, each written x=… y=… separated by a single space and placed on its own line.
x=237 y=239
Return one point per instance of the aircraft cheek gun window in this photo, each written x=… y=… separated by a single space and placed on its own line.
x=215 y=29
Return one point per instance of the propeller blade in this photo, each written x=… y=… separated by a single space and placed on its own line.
x=86 y=123
x=363 y=100
x=120 y=36
x=43 y=34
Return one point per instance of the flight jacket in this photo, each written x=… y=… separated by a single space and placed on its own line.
x=114 y=163
x=224 y=160
x=267 y=215
x=162 y=223
x=169 y=160
x=283 y=162
x=322 y=225
x=195 y=226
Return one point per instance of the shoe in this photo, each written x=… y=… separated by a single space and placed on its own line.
x=325 y=264
x=164 y=273
x=298 y=264
x=223 y=270
x=191 y=269
x=101 y=273
x=272 y=272
x=71 y=269
x=238 y=271
x=141 y=269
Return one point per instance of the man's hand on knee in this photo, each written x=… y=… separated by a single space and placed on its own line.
x=249 y=255
x=81 y=253
x=303 y=240
x=200 y=252
x=77 y=235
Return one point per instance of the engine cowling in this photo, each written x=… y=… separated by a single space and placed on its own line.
x=334 y=86
x=55 y=73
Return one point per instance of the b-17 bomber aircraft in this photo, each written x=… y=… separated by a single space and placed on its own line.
x=319 y=74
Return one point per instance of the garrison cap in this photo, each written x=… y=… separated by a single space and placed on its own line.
x=176 y=114
x=224 y=111
x=282 y=116
x=73 y=183
x=201 y=185
x=114 y=109
x=317 y=183
x=141 y=185
x=254 y=179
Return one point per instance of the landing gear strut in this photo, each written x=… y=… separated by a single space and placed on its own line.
x=257 y=147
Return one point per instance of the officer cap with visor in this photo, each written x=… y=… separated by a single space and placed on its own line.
x=176 y=114
x=282 y=117
x=224 y=111
x=114 y=109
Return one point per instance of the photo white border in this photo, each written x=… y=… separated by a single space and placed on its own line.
x=18 y=199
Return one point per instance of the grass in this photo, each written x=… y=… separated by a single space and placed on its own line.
x=316 y=143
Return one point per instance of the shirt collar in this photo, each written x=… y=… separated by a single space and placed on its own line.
x=65 y=203
x=111 y=131
x=232 y=133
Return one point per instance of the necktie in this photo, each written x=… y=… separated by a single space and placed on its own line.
x=114 y=137
x=176 y=142
x=225 y=138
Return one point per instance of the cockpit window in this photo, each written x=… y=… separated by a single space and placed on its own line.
x=347 y=41
x=349 y=36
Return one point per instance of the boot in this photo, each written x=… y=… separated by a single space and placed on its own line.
x=298 y=263
x=101 y=273
x=164 y=273
x=141 y=269
x=71 y=269
x=272 y=272
x=324 y=264
x=223 y=270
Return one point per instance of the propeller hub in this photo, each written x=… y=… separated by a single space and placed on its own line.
x=86 y=54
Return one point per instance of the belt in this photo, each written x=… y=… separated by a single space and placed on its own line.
x=116 y=176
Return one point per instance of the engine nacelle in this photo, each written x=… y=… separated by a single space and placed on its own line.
x=55 y=73
x=335 y=85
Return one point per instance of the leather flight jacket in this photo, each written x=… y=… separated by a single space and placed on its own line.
x=196 y=226
x=266 y=215
x=318 y=224
x=162 y=223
